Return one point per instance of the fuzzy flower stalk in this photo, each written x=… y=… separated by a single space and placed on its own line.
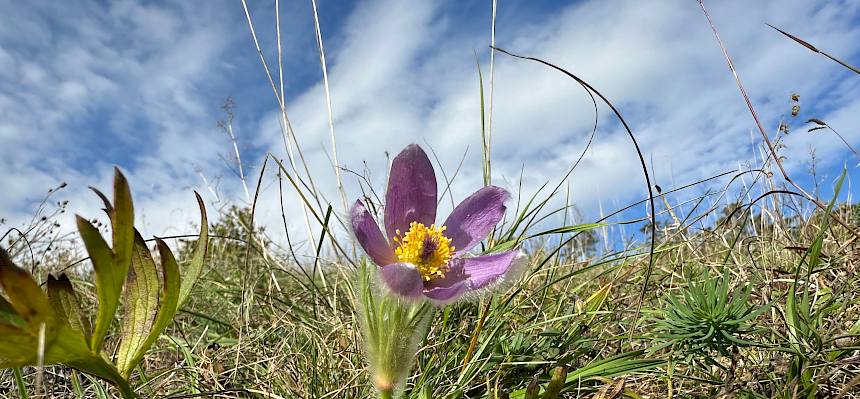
x=392 y=330
x=421 y=264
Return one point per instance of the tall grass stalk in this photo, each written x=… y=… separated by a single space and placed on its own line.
x=324 y=68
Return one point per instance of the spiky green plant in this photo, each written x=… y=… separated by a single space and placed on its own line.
x=38 y=329
x=708 y=317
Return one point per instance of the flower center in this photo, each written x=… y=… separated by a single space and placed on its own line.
x=426 y=248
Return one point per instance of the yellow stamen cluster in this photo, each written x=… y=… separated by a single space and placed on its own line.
x=426 y=248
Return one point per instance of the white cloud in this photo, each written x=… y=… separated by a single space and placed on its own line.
x=658 y=62
x=404 y=73
x=90 y=86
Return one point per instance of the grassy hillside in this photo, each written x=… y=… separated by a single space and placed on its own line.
x=742 y=301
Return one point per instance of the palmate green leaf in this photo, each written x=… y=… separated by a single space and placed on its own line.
x=110 y=265
x=65 y=303
x=192 y=271
x=141 y=304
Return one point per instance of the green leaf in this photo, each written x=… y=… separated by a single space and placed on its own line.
x=68 y=346
x=100 y=367
x=192 y=272
x=63 y=299
x=16 y=346
x=8 y=314
x=795 y=313
x=106 y=275
x=141 y=305
x=169 y=303
x=37 y=329
x=573 y=229
x=71 y=349
x=553 y=389
x=595 y=301
x=624 y=363
x=20 y=346
x=25 y=296
x=122 y=220
x=504 y=246
x=110 y=265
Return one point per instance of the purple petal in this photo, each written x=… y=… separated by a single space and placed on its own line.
x=411 y=194
x=484 y=270
x=475 y=217
x=447 y=294
x=468 y=274
x=370 y=237
x=403 y=279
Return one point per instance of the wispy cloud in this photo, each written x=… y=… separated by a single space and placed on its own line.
x=139 y=86
x=658 y=62
x=130 y=84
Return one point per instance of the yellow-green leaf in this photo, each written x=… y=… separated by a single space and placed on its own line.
x=100 y=367
x=25 y=295
x=141 y=305
x=20 y=346
x=110 y=265
x=8 y=314
x=192 y=272
x=553 y=389
x=16 y=346
x=70 y=348
x=169 y=300
x=63 y=299
x=106 y=275
x=596 y=300
x=122 y=224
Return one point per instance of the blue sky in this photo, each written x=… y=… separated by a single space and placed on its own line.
x=88 y=85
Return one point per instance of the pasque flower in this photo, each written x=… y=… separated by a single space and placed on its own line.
x=420 y=258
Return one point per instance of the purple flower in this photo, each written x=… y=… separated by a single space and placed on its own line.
x=419 y=258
